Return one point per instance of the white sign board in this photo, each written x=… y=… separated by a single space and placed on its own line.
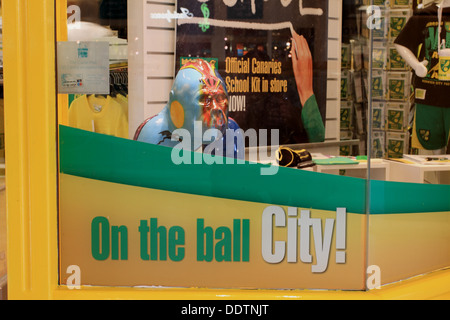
x=83 y=67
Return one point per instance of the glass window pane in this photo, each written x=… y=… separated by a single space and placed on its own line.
x=409 y=214
x=214 y=137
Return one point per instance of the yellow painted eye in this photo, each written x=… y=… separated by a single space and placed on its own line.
x=177 y=114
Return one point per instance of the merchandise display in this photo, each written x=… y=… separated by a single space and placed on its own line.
x=226 y=150
x=268 y=68
x=99 y=114
x=229 y=103
x=419 y=43
x=391 y=79
x=287 y=157
x=3 y=228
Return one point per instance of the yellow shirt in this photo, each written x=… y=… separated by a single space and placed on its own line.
x=100 y=115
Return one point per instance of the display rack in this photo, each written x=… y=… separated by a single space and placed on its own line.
x=380 y=169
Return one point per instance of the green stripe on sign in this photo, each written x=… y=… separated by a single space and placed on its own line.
x=101 y=157
x=400 y=197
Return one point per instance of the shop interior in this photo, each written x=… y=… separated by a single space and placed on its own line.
x=355 y=140
x=352 y=134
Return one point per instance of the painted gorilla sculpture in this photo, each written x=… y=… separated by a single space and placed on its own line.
x=198 y=96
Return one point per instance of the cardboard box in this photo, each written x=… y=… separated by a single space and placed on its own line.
x=378 y=85
x=346 y=57
x=379 y=56
x=357 y=87
x=346 y=150
x=396 y=4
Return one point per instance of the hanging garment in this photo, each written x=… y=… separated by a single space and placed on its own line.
x=123 y=101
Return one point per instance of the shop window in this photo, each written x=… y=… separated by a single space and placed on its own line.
x=248 y=139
